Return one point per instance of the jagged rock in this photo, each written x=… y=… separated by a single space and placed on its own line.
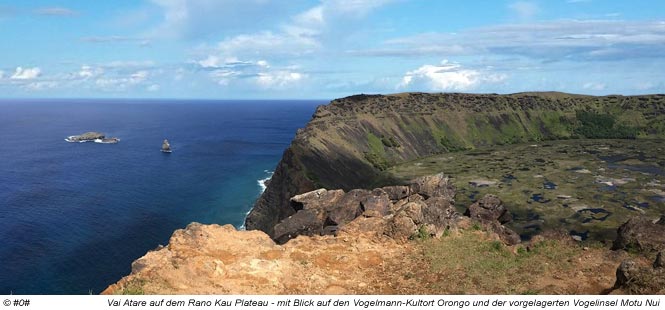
x=633 y=278
x=414 y=198
x=397 y=192
x=305 y=222
x=366 y=225
x=377 y=204
x=414 y=210
x=437 y=185
x=507 y=235
x=487 y=209
x=492 y=214
x=640 y=234
x=626 y=271
x=440 y=214
x=347 y=208
x=318 y=199
x=401 y=227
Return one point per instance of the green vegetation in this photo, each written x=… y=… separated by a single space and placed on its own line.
x=389 y=142
x=451 y=146
x=421 y=234
x=602 y=126
x=568 y=178
x=480 y=265
x=376 y=154
x=133 y=287
x=377 y=161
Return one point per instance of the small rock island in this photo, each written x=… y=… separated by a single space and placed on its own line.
x=92 y=136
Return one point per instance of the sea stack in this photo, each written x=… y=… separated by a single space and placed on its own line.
x=166 y=147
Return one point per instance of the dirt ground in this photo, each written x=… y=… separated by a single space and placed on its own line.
x=213 y=259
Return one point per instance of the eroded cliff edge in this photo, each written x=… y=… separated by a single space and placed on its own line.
x=349 y=142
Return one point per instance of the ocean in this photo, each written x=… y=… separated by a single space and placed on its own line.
x=73 y=216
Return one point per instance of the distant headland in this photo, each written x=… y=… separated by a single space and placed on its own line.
x=92 y=136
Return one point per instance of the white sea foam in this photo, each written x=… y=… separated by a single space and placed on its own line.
x=262 y=182
x=262 y=185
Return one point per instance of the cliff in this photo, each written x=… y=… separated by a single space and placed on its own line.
x=351 y=141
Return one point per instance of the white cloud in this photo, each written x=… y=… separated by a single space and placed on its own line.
x=581 y=40
x=223 y=77
x=279 y=79
x=292 y=42
x=122 y=83
x=2 y=74
x=524 y=9
x=41 y=85
x=594 y=86
x=313 y=16
x=138 y=77
x=153 y=88
x=328 y=23
x=263 y=63
x=87 y=72
x=210 y=62
x=447 y=76
x=26 y=74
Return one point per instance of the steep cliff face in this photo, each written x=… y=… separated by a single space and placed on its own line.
x=349 y=142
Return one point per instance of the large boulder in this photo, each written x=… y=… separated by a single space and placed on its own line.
x=507 y=235
x=397 y=192
x=489 y=208
x=490 y=212
x=307 y=222
x=640 y=234
x=320 y=199
x=377 y=204
x=437 y=185
x=347 y=208
x=401 y=227
x=440 y=214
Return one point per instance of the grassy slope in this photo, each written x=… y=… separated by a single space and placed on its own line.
x=426 y=124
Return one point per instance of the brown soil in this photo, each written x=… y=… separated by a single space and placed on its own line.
x=213 y=259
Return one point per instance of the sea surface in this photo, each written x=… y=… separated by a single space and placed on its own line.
x=73 y=216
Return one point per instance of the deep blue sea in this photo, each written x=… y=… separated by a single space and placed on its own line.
x=73 y=216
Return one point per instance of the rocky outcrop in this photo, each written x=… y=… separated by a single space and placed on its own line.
x=213 y=259
x=635 y=278
x=492 y=214
x=349 y=142
x=92 y=136
x=425 y=207
x=88 y=136
x=640 y=234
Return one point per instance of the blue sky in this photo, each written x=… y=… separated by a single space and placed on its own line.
x=233 y=49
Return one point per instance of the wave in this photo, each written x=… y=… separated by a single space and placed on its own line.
x=262 y=182
x=262 y=186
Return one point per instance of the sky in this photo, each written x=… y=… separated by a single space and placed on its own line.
x=324 y=49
